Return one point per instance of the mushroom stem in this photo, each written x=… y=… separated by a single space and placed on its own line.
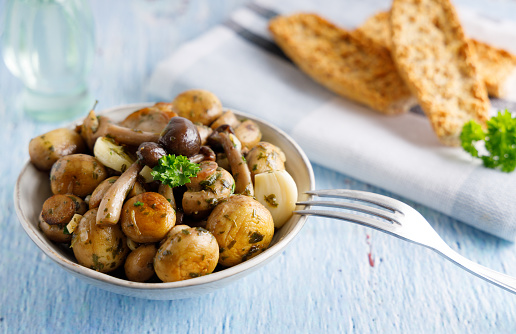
x=95 y=126
x=205 y=154
x=239 y=169
x=130 y=137
x=111 y=205
x=204 y=132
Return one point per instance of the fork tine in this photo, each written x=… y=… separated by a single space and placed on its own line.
x=354 y=218
x=377 y=199
x=389 y=215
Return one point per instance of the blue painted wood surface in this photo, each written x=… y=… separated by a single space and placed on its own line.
x=335 y=277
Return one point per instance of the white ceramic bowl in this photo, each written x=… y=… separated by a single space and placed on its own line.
x=33 y=188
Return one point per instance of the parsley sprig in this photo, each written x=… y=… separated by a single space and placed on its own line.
x=499 y=141
x=175 y=170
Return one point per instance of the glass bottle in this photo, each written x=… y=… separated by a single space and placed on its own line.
x=49 y=45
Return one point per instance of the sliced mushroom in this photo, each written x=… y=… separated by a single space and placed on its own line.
x=239 y=169
x=111 y=205
x=95 y=126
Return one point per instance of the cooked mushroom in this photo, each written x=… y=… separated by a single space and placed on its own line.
x=239 y=169
x=46 y=149
x=199 y=106
x=94 y=127
x=204 y=132
x=111 y=205
x=180 y=137
x=189 y=253
x=248 y=133
x=205 y=154
x=265 y=157
x=55 y=233
x=228 y=118
x=211 y=185
x=59 y=209
x=100 y=192
x=222 y=161
x=77 y=174
x=102 y=248
x=243 y=228
x=147 y=217
x=150 y=119
x=149 y=153
x=139 y=265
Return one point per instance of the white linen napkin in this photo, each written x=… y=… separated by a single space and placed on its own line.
x=239 y=63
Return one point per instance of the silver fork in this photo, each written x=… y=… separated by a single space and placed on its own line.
x=402 y=221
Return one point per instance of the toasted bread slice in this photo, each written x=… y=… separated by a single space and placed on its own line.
x=378 y=29
x=352 y=67
x=496 y=67
x=436 y=61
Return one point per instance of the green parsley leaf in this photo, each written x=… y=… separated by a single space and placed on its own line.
x=138 y=203
x=175 y=170
x=499 y=141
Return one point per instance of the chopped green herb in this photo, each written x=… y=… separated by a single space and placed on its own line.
x=499 y=141
x=175 y=170
x=96 y=264
x=254 y=249
x=255 y=237
x=271 y=200
x=138 y=203
x=212 y=202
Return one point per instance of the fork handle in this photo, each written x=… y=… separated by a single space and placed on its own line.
x=502 y=280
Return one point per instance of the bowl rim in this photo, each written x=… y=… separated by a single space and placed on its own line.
x=236 y=270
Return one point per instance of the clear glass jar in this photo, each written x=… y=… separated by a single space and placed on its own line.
x=49 y=45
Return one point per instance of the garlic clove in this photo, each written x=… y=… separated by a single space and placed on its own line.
x=277 y=191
